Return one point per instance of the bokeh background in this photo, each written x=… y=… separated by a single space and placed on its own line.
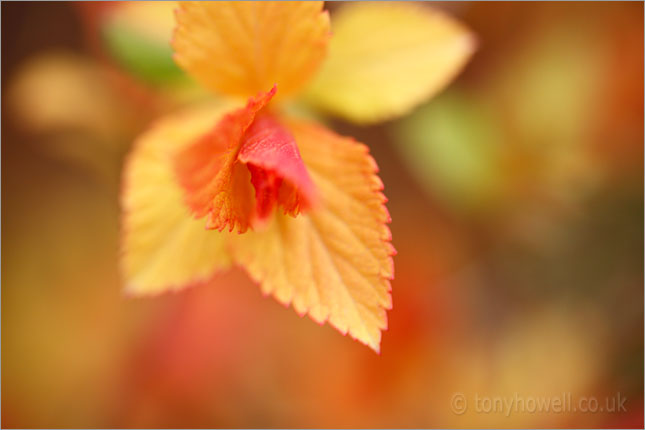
x=517 y=204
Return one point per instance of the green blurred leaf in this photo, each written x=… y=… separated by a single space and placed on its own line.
x=452 y=146
x=142 y=55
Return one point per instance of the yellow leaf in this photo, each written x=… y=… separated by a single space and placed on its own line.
x=334 y=262
x=386 y=58
x=164 y=248
x=241 y=48
x=62 y=91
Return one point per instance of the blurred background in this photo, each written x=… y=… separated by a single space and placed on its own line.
x=517 y=204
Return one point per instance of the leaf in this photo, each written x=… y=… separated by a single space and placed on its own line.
x=163 y=247
x=215 y=184
x=62 y=91
x=240 y=48
x=455 y=148
x=386 y=58
x=277 y=170
x=334 y=262
x=137 y=35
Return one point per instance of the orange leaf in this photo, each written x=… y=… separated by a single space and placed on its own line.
x=240 y=48
x=335 y=262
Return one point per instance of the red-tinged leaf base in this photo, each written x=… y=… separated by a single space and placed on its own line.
x=277 y=171
x=244 y=168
